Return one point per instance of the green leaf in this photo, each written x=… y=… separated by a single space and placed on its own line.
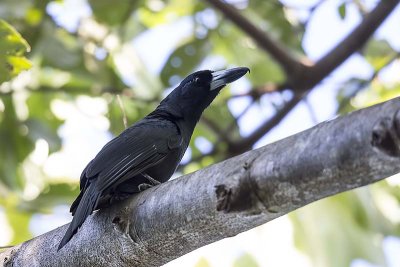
x=371 y=93
x=378 y=53
x=15 y=65
x=18 y=219
x=202 y=263
x=337 y=230
x=59 y=49
x=116 y=14
x=19 y=222
x=34 y=16
x=342 y=10
x=12 y=49
x=246 y=260
x=389 y=92
x=15 y=146
x=154 y=15
x=11 y=42
x=42 y=123
x=349 y=90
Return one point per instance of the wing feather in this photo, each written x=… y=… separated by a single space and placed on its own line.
x=134 y=164
x=126 y=156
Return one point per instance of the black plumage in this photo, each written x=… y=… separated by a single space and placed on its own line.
x=148 y=152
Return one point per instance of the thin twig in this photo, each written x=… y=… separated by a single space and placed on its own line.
x=266 y=88
x=363 y=84
x=215 y=128
x=237 y=118
x=311 y=111
x=4 y=247
x=246 y=143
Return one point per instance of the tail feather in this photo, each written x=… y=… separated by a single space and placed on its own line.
x=76 y=202
x=85 y=207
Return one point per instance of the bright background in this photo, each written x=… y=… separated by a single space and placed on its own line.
x=96 y=64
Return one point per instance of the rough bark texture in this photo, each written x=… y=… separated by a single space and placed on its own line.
x=228 y=198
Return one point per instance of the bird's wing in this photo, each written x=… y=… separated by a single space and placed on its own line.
x=130 y=153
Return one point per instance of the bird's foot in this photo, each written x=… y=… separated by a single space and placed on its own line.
x=144 y=186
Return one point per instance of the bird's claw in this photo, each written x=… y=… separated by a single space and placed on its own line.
x=144 y=186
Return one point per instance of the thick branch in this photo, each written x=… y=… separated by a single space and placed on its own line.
x=169 y=220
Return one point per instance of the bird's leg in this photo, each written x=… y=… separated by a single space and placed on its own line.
x=151 y=179
x=145 y=186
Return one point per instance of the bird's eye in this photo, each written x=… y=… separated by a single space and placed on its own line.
x=196 y=79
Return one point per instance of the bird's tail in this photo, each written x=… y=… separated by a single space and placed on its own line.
x=85 y=207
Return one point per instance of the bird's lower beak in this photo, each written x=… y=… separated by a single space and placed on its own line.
x=223 y=77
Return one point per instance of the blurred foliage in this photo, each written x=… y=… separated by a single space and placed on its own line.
x=202 y=263
x=246 y=260
x=12 y=49
x=353 y=227
x=98 y=56
x=342 y=10
x=118 y=14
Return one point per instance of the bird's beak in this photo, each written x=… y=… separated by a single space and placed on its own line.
x=223 y=77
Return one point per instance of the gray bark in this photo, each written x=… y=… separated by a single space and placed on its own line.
x=223 y=200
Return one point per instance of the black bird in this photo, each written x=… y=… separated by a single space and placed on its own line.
x=148 y=152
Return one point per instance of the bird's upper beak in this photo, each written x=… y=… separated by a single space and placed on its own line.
x=223 y=77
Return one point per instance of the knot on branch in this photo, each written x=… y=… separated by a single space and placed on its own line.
x=240 y=197
x=386 y=135
x=121 y=224
x=223 y=197
x=8 y=260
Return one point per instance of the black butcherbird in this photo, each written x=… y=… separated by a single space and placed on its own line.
x=148 y=152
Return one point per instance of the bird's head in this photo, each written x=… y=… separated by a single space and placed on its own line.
x=197 y=91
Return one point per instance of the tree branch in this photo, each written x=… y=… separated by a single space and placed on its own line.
x=312 y=75
x=258 y=91
x=174 y=218
x=303 y=78
x=363 y=84
x=215 y=128
x=289 y=63
x=247 y=143
x=352 y=43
